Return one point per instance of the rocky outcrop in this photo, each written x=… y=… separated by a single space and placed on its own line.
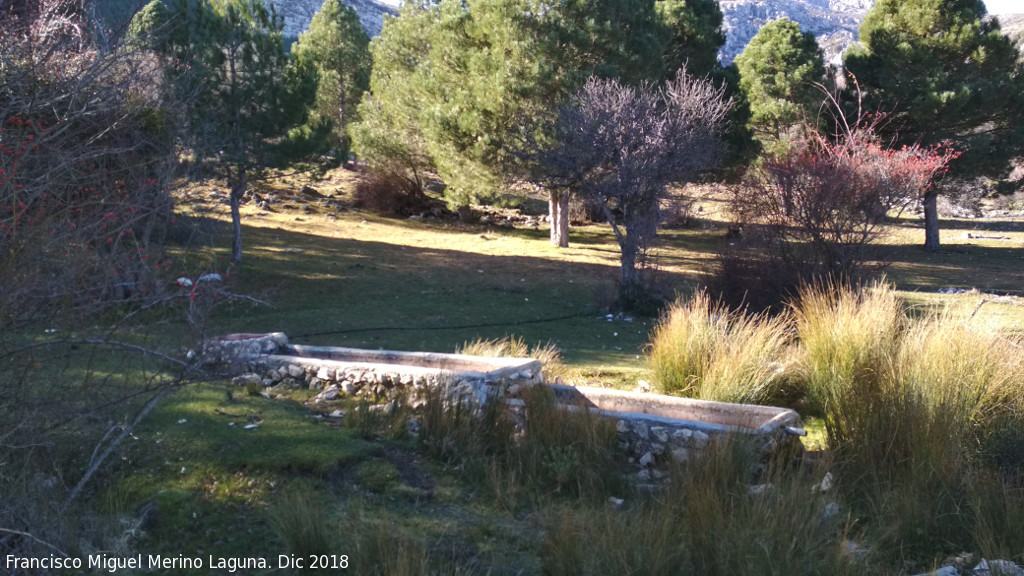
x=298 y=13
x=833 y=22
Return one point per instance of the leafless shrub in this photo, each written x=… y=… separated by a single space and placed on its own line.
x=85 y=156
x=84 y=160
x=391 y=195
x=621 y=146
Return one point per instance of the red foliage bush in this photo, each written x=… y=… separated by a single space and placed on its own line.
x=822 y=201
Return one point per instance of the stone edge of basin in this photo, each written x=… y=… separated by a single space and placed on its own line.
x=771 y=419
x=275 y=347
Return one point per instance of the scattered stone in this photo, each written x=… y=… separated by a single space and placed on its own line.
x=182 y=420
x=757 y=489
x=308 y=190
x=616 y=502
x=622 y=426
x=854 y=550
x=644 y=475
x=247 y=378
x=640 y=429
x=324 y=374
x=660 y=433
x=330 y=394
x=825 y=485
x=643 y=386
x=251 y=426
x=315 y=383
x=997 y=568
x=647 y=459
x=681 y=454
x=413 y=427
x=295 y=371
x=349 y=388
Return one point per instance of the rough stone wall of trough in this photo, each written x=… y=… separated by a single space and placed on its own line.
x=651 y=445
x=387 y=383
x=254 y=358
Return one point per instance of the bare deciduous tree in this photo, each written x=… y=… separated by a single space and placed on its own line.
x=621 y=147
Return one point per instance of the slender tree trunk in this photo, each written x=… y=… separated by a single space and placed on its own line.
x=558 y=210
x=239 y=184
x=931 y=221
x=630 y=287
x=237 y=192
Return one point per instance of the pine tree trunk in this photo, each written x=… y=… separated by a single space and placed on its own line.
x=931 y=221
x=558 y=210
x=237 y=192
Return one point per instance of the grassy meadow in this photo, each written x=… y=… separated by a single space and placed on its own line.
x=472 y=495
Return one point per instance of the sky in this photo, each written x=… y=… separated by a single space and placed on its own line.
x=1005 y=6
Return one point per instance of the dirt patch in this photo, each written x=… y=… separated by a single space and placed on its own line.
x=411 y=469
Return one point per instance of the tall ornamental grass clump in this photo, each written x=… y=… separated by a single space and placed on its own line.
x=848 y=341
x=896 y=390
x=920 y=414
x=537 y=451
x=701 y=349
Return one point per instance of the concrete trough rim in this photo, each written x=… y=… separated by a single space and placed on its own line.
x=309 y=351
x=505 y=368
x=782 y=419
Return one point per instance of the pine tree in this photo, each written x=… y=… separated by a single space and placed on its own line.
x=227 y=62
x=944 y=72
x=338 y=47
x=388 y=136
x=695 y=35
x=778 y=70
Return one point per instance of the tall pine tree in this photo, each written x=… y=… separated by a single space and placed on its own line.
x=945 y=73
x=338 y=47
x=456 y=82
x=694 y=35
x=778 y=72
x=227 y=63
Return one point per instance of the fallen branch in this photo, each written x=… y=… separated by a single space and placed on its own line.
x=98 y=457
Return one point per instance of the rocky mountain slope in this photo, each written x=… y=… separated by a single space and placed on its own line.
x=298 y=13
x=1013 y=26
x=833 y=22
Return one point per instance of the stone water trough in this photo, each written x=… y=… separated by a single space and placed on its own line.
x=653 y=425
x=374 y=374
x=650 y=426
